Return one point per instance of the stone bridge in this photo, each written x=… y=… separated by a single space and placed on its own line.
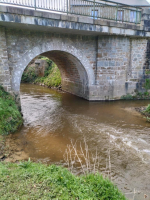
x=98 y=59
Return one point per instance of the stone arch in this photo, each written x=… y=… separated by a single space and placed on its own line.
x=64 y=55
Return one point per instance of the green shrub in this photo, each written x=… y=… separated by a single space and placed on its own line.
x=127 y=97
x=146 y=94
x=148 y=119
x=140 y=94
x=147 y=72
x=52 y=76
x=47 y=60
x=148 y=109
x=147 y=84
x=37 y=181
x=29 y=75
x=10 y=117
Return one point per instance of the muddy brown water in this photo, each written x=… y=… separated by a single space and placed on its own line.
x=52 y=119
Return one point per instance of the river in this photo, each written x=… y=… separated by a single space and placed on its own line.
x=53 y=119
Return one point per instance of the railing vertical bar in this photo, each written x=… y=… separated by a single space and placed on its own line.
x=67 y=7
x=117 y=13
x=83 y=8
x=35 y=4
x=80 y=7
x=94 y=10
x=136 y=15
x=82 y=4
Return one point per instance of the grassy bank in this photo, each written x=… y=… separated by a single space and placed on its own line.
x=10 y=117
x=36 y=181
x=52 y=77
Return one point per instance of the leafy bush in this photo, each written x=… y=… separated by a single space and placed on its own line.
x=52 y=77
x=147 y=72
x=127 y=97
x=47 y=60
x=10 y=117
x=148 y=119
x=146 y=94
x=37 y=181
x=148 y=109
x=29 y=75
x=147 y=84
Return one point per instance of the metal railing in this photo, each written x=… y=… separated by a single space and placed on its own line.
x=96 y=9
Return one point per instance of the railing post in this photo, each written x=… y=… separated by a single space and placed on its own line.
x=140 y=17
x=136 y=15
x=94 y=10
x=67 y=7
x=117 y=13
x=35 y=4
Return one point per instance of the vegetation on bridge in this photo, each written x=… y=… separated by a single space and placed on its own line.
x=10 y=116
x=37 y=181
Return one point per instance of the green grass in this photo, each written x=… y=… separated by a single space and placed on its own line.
x=34 y=181
x=10 y=117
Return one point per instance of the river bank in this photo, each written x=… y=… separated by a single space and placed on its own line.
x=10 y=120
x=28 y=180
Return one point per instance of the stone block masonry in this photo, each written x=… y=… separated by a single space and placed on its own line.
x=74 y=55
x=98 y=60
x=95 y=68
x=138 y=62
x=5 y=77
x=112 y=65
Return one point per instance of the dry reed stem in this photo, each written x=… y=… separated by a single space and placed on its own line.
x=87 y=162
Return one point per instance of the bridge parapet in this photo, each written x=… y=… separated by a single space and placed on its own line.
x=99 y=9
x=58 y=22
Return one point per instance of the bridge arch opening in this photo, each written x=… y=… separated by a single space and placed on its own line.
x=74 y=78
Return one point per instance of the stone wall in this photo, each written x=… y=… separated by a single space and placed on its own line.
x=74 y=78
x=92 y=67
x=74 y=55
x=138 y=62
x=5 y=78
x=121 y=64
x=112 y=66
